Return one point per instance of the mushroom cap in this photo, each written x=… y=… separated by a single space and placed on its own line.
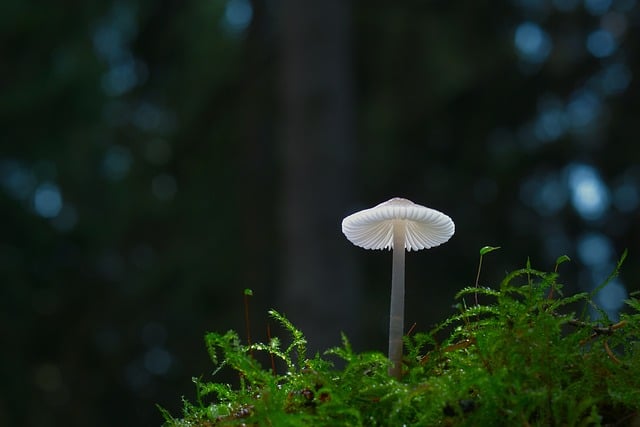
x=373 y=228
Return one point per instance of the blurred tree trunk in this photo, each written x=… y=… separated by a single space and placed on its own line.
x=320 y=291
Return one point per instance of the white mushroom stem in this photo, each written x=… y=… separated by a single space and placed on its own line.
x=397 y=224
x=396 y=315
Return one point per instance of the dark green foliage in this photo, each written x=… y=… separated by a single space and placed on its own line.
x=518 y=358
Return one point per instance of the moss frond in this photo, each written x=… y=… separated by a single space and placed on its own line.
x=515 y=359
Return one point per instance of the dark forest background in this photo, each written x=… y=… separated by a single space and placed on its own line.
x=159 y=157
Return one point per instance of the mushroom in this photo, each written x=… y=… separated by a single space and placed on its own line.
x=397 y=224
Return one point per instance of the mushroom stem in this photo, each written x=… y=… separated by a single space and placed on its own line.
x=396 y=315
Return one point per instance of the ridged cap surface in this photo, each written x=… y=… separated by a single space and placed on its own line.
x=373 y=228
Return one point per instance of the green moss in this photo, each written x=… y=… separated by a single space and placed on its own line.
x=520 y=358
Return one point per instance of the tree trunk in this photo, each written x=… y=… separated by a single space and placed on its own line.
x=320 y=293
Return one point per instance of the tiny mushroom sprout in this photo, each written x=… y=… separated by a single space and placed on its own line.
x=397 y=224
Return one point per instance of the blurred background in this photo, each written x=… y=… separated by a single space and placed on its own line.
x=159 y=157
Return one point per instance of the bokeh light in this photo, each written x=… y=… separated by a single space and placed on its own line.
x=597 y=7
x=237 y=16
x=532 y=42
x=583 y=109
x=546 y=193
x=601 y=43
x=611 y=298
x=595 y=249
x=589 y=194
x=117 y=162
x=111 y=41
x=157 y=360
x=551 y=123
x=121 y=77
x=47 y=200
x=17 y=180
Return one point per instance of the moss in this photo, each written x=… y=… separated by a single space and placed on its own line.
x=522 y=358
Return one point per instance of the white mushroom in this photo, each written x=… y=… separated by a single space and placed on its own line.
x=397 y=224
